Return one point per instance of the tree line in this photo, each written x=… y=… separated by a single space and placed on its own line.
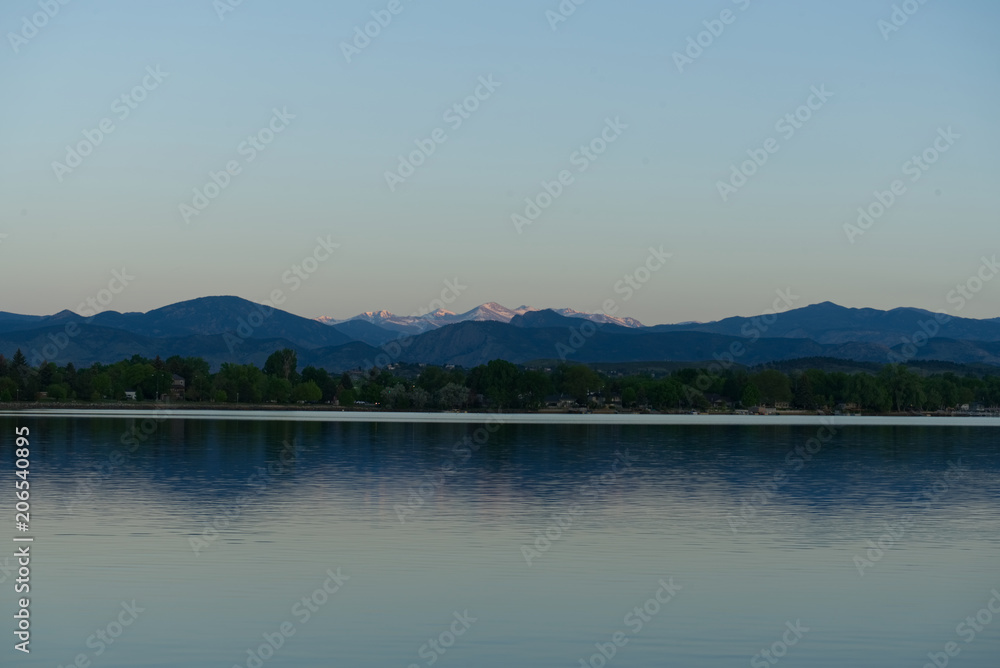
x=498 y=385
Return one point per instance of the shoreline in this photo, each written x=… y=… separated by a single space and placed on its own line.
x=167 y=412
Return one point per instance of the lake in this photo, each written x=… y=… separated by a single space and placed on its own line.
x=203 y=540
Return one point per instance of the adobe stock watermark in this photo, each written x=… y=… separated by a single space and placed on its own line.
x=7 y=570
x=636 y=620
x=967 y=291
x=582 y=159
x=899 y=17
x=122 y=108
x=258 y=483
x=363 y=35
x=560 y=523
x=915 y=168
x=779 y=648
x=248 y=149
x=302 y=610
x=753 y=330
x=437 y=647
x=787 y=125
x=391 y=350
x=959 y=297
x=102 y=639
x=130 y=440
x=91 y=306
x=697 y=44
x=795 y=460
x=461 y=453
x=627 y=287
x=455 y=116
x=295 y=276
x=31 y=25
x=223 y=7
x=968 y=630
x=895 y=532
x=562 y=12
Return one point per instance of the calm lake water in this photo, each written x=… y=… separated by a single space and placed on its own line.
x=472 y=545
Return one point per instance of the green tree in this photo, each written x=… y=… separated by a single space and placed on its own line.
x=327 y=385
x=102 y=385
x=419 y=398
x=57 y=392
x=346 y=382
x=533 y=388
x=241 y=382
x=902 y=386
x=19 y=363
x=453 y=395
x=346 y=398
x=308 y=392
x=774 y=386
x=667 y=392
x=371 y=392
x=803 y=392
x=867 y=392
x=579 y=381
x=751 y=396
x=499 y=381
x=278 y=390
x=396 y=397
x=432 y=379
x=8 y=389
x=629 y=397
x=283 y=364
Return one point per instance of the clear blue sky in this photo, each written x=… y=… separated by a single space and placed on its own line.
x=657 y=184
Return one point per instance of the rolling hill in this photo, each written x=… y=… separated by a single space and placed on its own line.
x=230 y=329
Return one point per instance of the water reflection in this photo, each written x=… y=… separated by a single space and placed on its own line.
x=219 y=527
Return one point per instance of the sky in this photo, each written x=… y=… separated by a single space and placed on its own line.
x=620 y=121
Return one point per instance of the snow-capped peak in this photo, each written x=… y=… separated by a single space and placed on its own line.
x=490 y=311
x=599 y=317
x=493 y=311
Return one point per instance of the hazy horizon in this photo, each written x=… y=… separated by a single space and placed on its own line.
x=457 y=310
x=837 y=103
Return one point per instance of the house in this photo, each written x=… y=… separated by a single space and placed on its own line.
x=781 y=405
x=130 y=396
x=716 y=400
x=559 y=401
x=177 y=387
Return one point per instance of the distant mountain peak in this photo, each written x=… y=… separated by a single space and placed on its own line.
x=493 y=311
x=206 y=327
x=487 y=312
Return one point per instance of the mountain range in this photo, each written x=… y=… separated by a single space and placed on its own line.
x=488 y=312
x=231 y=329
